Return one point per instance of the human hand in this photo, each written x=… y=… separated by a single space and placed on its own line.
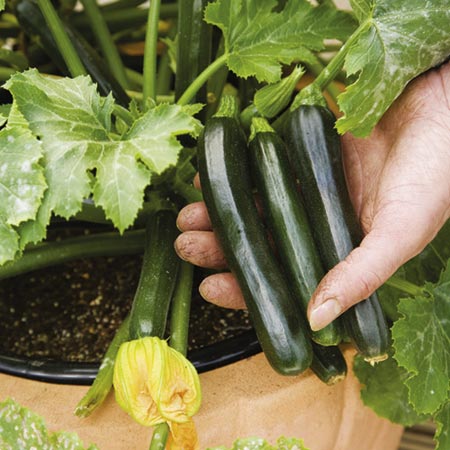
x=399 y=183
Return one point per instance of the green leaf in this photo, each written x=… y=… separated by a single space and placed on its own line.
x=82 y=153
x=396 y=41
x=21 y=429
x=422 y=344
x=254 y=443
x=22 y=185
x=384 y=390
x=258 y=39
x=442 y=435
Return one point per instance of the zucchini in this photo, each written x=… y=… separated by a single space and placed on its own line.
x=315 y=153
x=328 y=364
x=287 y=220
x=149 y=311
x=224 y=172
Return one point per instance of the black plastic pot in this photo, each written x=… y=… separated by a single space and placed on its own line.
x=204 y=359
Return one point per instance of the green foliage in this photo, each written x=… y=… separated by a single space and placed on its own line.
x=395 y=42
x=385 y=391
x=421 y=341
x=258 y=39
x=60 y=147
x=22 y=429
x=254 y=443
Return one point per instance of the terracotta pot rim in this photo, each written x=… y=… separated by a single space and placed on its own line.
x=204 y=359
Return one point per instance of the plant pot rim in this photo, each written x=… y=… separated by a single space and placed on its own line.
x=204 y=359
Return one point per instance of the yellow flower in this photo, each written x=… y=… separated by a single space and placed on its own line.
x=154 y=383
x=183 y=436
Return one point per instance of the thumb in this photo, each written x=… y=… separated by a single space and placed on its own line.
x=364 y=270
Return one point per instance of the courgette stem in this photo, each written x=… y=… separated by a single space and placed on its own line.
x=405 y=286
x=62 y=40
x=181 y=305
x=103 y=382
x=159 y=438
x=316 y=69
x=150 y=54
x=201 y=79
x=53 y=253
x=105 y=41
x=331 y=71
x=187 y=191
x=121 y=4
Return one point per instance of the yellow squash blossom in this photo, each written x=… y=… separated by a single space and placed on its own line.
x=155 y=383
x=183 y=436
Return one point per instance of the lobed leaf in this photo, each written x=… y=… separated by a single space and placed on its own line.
x=422 y=345
x=258 y=39
x=82 y=154
x=396 y=41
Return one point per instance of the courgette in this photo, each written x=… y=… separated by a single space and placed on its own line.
x=226 y=184
x=287 y=220
x=315 y=153
x=328 y=363
x=150 y=307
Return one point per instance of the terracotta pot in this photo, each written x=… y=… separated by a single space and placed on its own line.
x=243 y=399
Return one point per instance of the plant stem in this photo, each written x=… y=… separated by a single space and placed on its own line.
x=187 y=191
x=316 y=69
x=405 y=286
x=53 y=253
x=150 y=56
x=201 y=79
x=181 y=305
x=105 y=41
x=102 y=384
x=63 y=43
x=160 y=435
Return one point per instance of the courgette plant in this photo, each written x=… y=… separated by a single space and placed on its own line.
x=95 y=133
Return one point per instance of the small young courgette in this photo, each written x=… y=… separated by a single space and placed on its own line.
x=328 y=364
x=287 y=220
x=224 y=172
x=148 y=315
x=315 y=153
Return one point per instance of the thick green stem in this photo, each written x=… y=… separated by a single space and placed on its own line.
x=102 y=384
x=160 y=435
x=150 y=55
x=53 y=253
x=405 y=286
x=105 y=41
x=62 y=40
x=181 y=305
x=187 y=191
x=316 y=69
x=202 y=78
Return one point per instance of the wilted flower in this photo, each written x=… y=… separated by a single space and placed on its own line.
x=183 y=436
x=155 y=383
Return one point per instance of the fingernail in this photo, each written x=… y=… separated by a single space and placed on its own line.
x=325 y=313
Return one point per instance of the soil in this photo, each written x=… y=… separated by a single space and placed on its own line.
x=70 y=312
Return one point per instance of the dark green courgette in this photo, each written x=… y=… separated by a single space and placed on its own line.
x=33 y=23
x=193 y=46
x=315 y=153
x=225 y=177
x=148 y=315
x=328 y=363
x=287 y=220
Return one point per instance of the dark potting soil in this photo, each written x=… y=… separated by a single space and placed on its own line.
x=70 y=312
